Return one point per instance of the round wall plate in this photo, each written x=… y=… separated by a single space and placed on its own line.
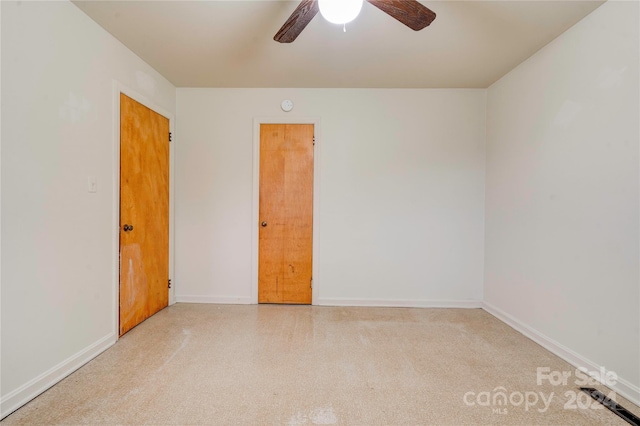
x=286 y=105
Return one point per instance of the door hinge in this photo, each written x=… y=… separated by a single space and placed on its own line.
x=169 y=283
x=169 y=136
x=314 y=140
x=311 y=283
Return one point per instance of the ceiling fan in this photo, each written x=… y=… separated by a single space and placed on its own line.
x=410 y=12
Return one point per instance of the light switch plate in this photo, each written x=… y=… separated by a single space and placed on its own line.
x=92 y=184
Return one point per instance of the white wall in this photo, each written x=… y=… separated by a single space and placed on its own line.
x=401 y=193
x=562 y=206
x=58 y=255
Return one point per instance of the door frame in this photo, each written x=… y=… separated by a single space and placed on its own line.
x=138 y=97
x=257 y=121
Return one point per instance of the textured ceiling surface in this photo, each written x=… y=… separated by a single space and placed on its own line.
x=471 y=44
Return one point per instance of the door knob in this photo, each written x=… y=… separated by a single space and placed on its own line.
x=127 y=228
x=263 y=224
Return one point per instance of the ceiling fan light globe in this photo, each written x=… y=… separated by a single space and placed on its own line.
x=340 y=11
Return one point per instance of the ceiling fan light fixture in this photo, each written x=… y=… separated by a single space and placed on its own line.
x=340 y=11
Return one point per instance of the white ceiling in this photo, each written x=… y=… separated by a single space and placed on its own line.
x=230 y=43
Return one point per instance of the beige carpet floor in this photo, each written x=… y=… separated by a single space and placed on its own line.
x=304 y=365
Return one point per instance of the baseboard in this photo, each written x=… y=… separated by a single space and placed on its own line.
x=223 y=300
x=400 y=303
x=397 y=303
x=623 y=387
x=25 y=393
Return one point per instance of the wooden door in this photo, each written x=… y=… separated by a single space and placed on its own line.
x=286 y=213
x=144 y=206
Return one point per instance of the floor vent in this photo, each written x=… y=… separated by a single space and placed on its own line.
x=617 y=409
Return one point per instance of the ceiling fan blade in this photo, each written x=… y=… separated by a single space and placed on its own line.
x=298 y=20
x=410 y=12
